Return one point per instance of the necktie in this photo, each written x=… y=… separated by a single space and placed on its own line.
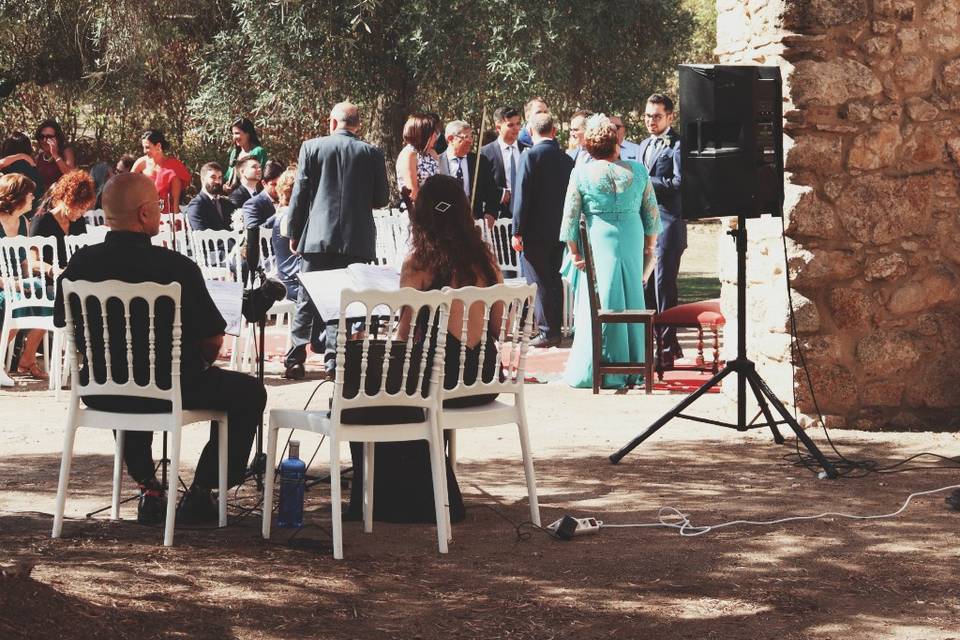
x=513 y=167
x=652 y=151
x=216 y=201
x=460 y=175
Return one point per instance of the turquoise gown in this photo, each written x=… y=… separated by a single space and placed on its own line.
x=620 y=207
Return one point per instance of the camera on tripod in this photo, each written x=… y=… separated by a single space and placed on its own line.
x=258 y=300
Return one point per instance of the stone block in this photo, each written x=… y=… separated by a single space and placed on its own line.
x=851 y=309
x=878 y=46
x=920 y=110
x=878 y=210
x=925 y=147
x=834 y=386
x=887 y=352
x=833 y=82
x=951 y=74
x=898 y=9
x=817 y=152
x=885 y=267
x=943 y=43
x=802 y=15
x=945 y=14
x=914 y=73
x=805 y=313
x=857 y=112
x=821 y=349
x=882 y=394
x=815 y=269
x=881 y=27
x=909 y=40
x=889 y=112
x=922 y=295
x=936 y=387
x=876 y=148
x=812 y=217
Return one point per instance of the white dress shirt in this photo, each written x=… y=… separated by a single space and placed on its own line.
x=454 y=163
x=507 y=150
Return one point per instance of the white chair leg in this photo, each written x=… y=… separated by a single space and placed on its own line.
x=269 y=475
x=527 y=462
x=65 y=461
x=117 y=475
x=6 y=354
x=437 y=469
x=452 y=449
x=172 y=490
x=335 y=517
x=222 y=435
x=368 y=461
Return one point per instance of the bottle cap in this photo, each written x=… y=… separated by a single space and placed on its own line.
x=294 y=449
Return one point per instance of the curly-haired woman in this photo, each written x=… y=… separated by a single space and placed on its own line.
x=617 y=198
x=61 y=214
x=446 y=251
x=16 y=199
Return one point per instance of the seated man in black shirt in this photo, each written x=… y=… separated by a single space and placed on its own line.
x=133 y=215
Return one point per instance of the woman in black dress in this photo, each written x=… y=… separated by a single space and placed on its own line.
x=446 y=251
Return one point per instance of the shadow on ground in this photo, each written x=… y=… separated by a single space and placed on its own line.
x=820 y=579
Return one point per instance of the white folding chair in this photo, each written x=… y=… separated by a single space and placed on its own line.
x=29 y=294
x=499 y=238
x=95 y=218
x=375 y=388
x=94 y=235
x=215 y=252
x=174 y=228
x=97 y=304
x=393 y=239
x=569 y=306
x=501 y=307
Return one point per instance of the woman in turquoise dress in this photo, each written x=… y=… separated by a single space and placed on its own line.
x=623 y=222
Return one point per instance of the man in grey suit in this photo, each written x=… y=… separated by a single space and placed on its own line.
x=458 y=161
x=340 y=181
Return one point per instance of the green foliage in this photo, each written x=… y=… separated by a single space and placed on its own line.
x=108 y=68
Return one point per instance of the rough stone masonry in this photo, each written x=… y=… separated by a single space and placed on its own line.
x=872 y=218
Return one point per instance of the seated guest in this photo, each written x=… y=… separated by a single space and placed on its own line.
x=16 y=156
x=246 y=181
x=131 y=206
x=16 y=200
x=287 y=262
x=259 y=210
x=61 y=214
x=54 y=158
x=209 y=209
x=170 y=176
x=125 y=163
x=100 y=172
x=446 y=251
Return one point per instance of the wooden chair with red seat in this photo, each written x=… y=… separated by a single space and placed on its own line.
x=599 y=317
x=701 y=315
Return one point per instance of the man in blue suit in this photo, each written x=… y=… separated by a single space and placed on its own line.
x=541 y=187
x=340 y=181
x=259 y=210
x=209 y=209
x=661 y=154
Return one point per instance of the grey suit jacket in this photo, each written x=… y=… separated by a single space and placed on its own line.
x=340 y=181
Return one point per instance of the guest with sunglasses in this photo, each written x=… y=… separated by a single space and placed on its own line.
x=54 y=156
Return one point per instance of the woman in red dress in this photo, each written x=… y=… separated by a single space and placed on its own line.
x=169 y=174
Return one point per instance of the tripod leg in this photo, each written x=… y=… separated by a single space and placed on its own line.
x=777 y=436
x=827 y=466
x=667 y=417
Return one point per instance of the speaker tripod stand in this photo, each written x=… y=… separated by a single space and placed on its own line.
x=747 y=376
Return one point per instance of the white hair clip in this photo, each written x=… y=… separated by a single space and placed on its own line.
x=597 y=120
x=442 y=207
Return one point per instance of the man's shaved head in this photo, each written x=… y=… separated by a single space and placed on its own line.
x=130 y=203
x=346 y=114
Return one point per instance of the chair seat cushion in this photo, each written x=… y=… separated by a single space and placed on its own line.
x=704 y=313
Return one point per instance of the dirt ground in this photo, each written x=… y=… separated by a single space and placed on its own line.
x=829 y=578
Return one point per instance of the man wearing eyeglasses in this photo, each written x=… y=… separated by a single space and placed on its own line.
x=458 y=161
x=660 y=153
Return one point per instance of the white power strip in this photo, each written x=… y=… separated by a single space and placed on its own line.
x=584 y=526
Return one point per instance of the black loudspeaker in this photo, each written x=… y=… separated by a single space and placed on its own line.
x=731 y=127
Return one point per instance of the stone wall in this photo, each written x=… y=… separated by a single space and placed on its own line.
x=873 y=211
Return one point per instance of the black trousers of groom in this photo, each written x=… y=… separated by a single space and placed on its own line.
x=306 y=324
x=541 y=266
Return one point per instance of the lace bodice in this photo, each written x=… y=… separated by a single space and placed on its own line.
x=603 y=187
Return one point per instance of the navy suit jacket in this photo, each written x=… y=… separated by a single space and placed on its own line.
x=202 y=213
x=240 y=195
x=340 y=181
x=665 y=178
x=259 y=211
x=491 y=151
x=540 y=192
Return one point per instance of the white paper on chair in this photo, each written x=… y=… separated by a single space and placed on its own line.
x=228 y=297
x=324 y=287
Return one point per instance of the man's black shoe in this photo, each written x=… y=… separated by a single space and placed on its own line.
x=152 y=507
x=953 y=500
x=197 y=506
x=295 y=371
x=543 y=342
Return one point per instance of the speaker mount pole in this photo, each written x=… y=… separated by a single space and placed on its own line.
x=746 y=372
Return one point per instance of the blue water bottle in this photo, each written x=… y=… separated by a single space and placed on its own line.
x=292 y=474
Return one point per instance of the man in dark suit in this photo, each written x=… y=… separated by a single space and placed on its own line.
x=504 y=155
x=340 y=181
x=259 y=210
x=249 y=171
x=209 y=209
x=534 y=106
x=459 y=162
x=578 y=128
x=537 y=214
x=661 y=154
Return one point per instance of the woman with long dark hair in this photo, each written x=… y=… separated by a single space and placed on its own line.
x=16 y=156
x=446 y=251
x=54 y=157
x=170 y=176
x=246 y=142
